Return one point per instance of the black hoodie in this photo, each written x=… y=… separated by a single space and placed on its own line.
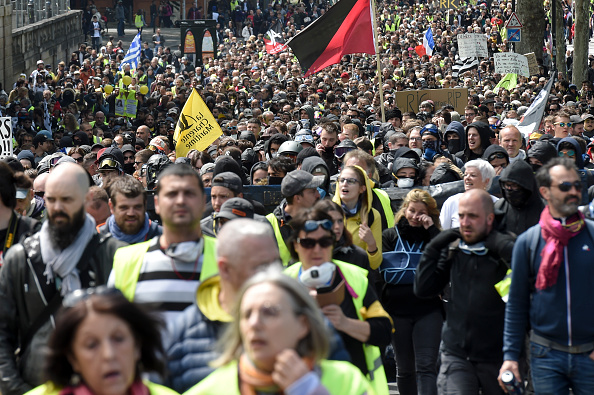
x=485 y=132
x=519 y=217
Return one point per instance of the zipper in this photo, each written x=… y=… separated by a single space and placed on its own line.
x=567 y=293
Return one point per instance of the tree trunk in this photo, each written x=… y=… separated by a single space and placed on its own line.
x=532 y=16
x=560 y=38
x=580 y=42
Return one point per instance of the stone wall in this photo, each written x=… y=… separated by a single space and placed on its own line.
x=52 y=40
x=6 y=70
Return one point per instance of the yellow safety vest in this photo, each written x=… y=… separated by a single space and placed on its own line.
x=385 y=201
x=285 y=254
x=138 y=21
x=339 y=378
x=128 y=261
x=357 y=279
x=390 y=27
x=49 y=389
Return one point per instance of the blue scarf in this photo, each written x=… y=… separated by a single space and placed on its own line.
x=115 y=230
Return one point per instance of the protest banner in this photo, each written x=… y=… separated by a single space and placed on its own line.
x=532 y=63
x=449 y=4
x=5 y=137
x=472 y=45
x=509 y=62
x=409 y=101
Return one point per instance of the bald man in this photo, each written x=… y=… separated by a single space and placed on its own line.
x=65 y=255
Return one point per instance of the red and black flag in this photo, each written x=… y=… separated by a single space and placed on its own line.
x=274 y=40
x=346 y=28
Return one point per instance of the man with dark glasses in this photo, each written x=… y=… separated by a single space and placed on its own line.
x=562 y=125
x=110 y=164
x=551 y=278
x=299 y=189
x=65 y=255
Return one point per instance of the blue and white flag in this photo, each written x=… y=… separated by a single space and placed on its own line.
x=133 y=55
x=428 y=42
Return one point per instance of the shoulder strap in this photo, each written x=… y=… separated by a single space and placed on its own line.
x=533 y=240
x=41 y=319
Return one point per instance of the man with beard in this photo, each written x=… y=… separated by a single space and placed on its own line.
x=551 y=289
x=472 y=337
x=129 y=221
x=67 y=254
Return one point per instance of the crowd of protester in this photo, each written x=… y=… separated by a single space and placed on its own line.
x=398 y=236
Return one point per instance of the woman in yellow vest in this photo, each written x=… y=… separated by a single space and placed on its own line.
x=139 y=20
x=277 y=343
x=343 y=293
x=102 y=344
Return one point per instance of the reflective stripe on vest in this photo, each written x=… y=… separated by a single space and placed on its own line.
x=128 y=261
x=357 y=279
x=503 y=286
x=385 y=201
x=285 y=254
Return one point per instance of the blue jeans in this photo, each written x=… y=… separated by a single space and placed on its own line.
x=554 y=372
x=120 y=27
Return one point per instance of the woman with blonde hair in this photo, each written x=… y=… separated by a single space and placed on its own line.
x=417 y=322
x=277 y=344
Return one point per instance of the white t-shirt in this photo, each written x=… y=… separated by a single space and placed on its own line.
x=449 y=212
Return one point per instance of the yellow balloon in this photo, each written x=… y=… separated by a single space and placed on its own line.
x=108 y=89
x=126 y=80
x=143 y=90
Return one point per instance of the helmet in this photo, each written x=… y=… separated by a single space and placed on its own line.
x=154 y=166
x=304 y=136
x=289 y=148
x=431 y=128
x=345 y=146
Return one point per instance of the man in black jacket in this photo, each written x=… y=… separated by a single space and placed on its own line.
x=65 y=255
x=472 y=337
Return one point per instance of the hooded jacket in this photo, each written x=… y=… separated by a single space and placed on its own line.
x=485 y=133
x=458 y=128
x=310 y=114
x=579 y=160
x=309 y=164
x=493 y=149
x=543 y=151
x=373 y=221
x=513 y=218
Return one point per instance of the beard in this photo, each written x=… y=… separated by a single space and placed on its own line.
x=62 y=235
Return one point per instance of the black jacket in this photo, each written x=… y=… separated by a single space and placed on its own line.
x=24 y=293
x=517 y=219
x=474 y=313
x=485 y=132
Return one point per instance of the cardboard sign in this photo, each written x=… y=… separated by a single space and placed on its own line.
x=409 y=101
x=449 y=4
x=5 y=137
x=509 y=62
x=532 y=63
x=472 y=45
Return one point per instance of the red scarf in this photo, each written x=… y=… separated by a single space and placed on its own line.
x=137 y=388
x=556 y=237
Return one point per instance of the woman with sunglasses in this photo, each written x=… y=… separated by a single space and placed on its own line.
x=354 y=194
x=417 y=322
x=102 y=344
x=343 y=293
x=77 y=154
x=276 y=344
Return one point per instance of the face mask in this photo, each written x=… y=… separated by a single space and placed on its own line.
x=535 y=167
x=188 y=251
x=433 y=145
x=454 y=146
x=405 y=182
x=318 y=276
x=516 y=198
x=275 y=180
x=321 y=192
x=129 y=168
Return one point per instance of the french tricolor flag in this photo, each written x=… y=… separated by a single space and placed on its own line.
x=428 y=44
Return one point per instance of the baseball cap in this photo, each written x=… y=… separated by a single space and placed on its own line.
x=345 y=75
x=128 y=148
x=26 y=154
x=298 y=180
x=228 y=180
x=576 y=119
x=207 y=168
x=47 y=133
x=236 y=208
x=39 y=139
x=587 y=116
x=21 y=193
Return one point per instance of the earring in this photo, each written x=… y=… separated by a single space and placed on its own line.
x=75 y=380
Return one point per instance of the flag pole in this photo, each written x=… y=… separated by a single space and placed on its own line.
x=377 y=60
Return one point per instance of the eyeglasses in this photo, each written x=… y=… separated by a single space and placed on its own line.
x=311 y=225
x=415 y=138
x=566 y=186
x=569 y=154
x=469 y=114
x=75 y=297
x=564 y=124
x=310 y=243
x=349 y=181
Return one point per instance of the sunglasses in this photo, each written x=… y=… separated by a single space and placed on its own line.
x=497 y=155
x=79 y=159
x=310 y=243
x=566 y=186
x=228 y=143
x=563 y=124
x=75 y=297
x=349 y=181
x=311 y=225
x=570 y=153
x=39 y=193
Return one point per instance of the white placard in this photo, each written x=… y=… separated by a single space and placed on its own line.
x=5 y=137
x=472 y=45
x=509 y=62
